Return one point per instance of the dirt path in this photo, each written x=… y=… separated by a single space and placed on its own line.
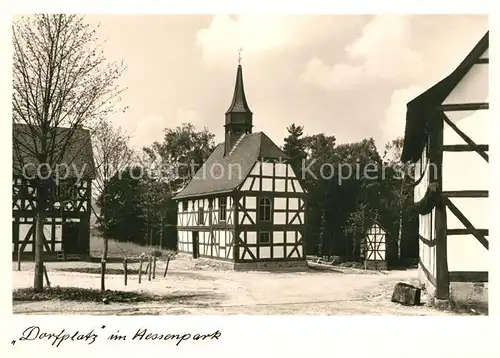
x=217 y=291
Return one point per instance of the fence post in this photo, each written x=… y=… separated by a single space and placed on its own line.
x=166 y=267
x=154 y=267
x=103 y=275
x=150 y=264
x=19 y=258
x=140 y=269
x=125 y=270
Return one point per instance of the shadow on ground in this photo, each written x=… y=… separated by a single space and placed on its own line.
x=92 y=295
x=114 y=271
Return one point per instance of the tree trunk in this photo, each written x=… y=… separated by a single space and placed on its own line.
x=354 y=245
x=402 y=201
x=105 y=243
x=39 y=238
x=161 y=230
x=346 y=244
x=321 y=245
x=151 y=229
x=40 y=218
x=103 y=263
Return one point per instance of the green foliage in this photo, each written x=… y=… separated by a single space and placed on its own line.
x=121 y=204
x=340 y=207
x=182 y=152
x=138 y=200
x=295 y=144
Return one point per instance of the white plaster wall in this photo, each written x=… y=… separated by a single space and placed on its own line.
x=465 y=171
x=427 y=230
x=473 y=88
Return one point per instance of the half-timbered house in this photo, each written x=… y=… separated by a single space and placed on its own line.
x=67 y=219
x=245 y=204
x=374 y=247
x=446 y=136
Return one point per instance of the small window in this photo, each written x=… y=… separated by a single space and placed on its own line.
x=264 y=209
x=210 y=203
x=184 y=206
x=222 y=208
x=264 y=237
x=200 y=216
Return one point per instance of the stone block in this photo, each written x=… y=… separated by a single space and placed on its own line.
x=406 y=294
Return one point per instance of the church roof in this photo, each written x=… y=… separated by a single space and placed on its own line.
x=422 y=108
x=223 y=174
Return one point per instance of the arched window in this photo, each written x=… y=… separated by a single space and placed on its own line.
x=264 y=209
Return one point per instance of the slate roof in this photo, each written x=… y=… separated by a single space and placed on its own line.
x=77 y=154
x=422 y=108
x=222 y=174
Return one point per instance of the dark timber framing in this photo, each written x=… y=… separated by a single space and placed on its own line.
x=426 y=117
x=69 y=207
x=244 y=222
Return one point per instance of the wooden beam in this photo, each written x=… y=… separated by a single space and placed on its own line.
x=469 y=276
x=442 y=277
x=464 y=106
x=466 y=193
x=427 y=242
x=482 y=61
x=466 y=223
x=466 y=138
x=277 y=194
x=427 y=273
x=465 y=148
x=483 y=232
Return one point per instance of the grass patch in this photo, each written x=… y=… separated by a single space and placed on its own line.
x=79 y=294
x=117 y=249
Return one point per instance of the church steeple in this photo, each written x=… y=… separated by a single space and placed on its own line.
x=238 y=116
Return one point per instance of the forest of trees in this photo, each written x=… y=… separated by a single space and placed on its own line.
x=342 y=206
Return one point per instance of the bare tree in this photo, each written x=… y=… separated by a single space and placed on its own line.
x=112 y=154
x=392 y=157
x=60 y=79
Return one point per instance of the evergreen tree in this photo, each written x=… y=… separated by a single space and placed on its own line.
x=295 y=146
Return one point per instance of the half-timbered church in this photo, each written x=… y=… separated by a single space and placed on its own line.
x=447 y=137
x=245 y=204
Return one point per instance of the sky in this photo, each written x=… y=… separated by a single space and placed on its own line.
x=344 y=75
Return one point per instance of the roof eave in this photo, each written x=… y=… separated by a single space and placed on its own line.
x=421 y=108
x=199 y=195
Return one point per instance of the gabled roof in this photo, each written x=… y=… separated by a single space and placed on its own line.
x=372 y=223
x=422 y=109
x=77 y=153
x=222 y=174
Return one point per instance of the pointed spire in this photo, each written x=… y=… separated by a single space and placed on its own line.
x=238 y=116
x=239 y=103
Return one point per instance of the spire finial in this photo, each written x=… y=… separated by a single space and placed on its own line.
x=239 y=55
